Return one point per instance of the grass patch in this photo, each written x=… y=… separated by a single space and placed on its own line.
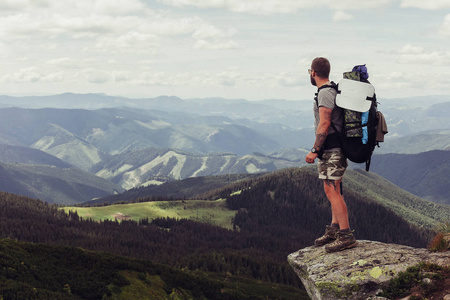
x=142 y=286
x=211 y=212
x=411 y=282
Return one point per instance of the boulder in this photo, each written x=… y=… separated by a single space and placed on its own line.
x=357 y=273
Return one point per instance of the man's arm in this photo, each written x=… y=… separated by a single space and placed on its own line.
x=322 y=131
x=323 y=127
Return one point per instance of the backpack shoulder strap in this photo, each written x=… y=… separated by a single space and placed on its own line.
x=331 y=85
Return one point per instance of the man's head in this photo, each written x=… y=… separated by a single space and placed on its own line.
x=320 y=67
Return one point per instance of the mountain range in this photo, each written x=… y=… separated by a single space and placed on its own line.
x=68 y=149
x=152 y=165
x=405 y=116
x=85 y=137
x=128 y=143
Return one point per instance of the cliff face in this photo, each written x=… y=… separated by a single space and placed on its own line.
x=358 y=273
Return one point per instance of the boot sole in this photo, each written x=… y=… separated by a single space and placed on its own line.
x=346 y=247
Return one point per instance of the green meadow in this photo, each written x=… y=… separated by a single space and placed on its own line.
x=211 y=212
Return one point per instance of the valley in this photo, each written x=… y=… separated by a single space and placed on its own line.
x=211 y=212
x=214 y=210
x=272 y=215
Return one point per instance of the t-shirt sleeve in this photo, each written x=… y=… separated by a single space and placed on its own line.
x=326 y=98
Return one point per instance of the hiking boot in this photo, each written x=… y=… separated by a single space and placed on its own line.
x=343 y=241
x=328 y=237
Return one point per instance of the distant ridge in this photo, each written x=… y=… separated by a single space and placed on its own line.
x=24 y=155
x=425 y=174
x=142 y=167
x=178 y=189
x=417 y=143
x=52 y=184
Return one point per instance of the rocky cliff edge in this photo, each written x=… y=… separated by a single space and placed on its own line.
x=357 y=273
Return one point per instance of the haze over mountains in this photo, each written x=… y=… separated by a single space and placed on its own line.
x=126 y=143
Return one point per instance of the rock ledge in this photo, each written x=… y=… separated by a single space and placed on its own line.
x=358 y=273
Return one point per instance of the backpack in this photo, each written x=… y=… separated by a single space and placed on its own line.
x=361 y=118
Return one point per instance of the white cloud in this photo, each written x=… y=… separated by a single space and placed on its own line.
x=207 y=31
x=426 y=4
x=29 y=74
x=55 y=77
x=342 y=16
x=127 y=46
x=227 y=78
x=20 y=5
x=357 y=4
x=286 y=79
x=121 y=76
x=97 y=7
x=211 y=37
x=410 y=49
x=205 y=44
x=132 y=41
x=68 y=63
x=410 y=54
x=261 y=7
x=404 y=84
x=128 y=23
x=267 y=7
x=233 y=77
x=445 y=27
x=95 y=76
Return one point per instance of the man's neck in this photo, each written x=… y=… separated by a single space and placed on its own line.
x=322 y=81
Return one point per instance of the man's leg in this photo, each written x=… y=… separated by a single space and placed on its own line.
x=338 y=211
x=338 y=207
x=338 y=236
x=344 y=237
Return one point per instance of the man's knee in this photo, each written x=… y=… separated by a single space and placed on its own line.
x=332 y=187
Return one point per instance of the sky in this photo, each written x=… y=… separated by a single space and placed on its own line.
x=235 y=49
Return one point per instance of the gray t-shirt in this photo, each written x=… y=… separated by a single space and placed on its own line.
x=327 y=98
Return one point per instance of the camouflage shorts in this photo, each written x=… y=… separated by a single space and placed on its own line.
x=332 y=165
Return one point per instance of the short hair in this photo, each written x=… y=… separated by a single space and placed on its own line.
x=321 y=66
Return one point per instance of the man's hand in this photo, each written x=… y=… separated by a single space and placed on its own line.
x=310 y=157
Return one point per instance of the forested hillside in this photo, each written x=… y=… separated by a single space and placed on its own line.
x=38 y=271
x=362 y=185
x=293 y=199
x=177 y=189
x=278 y=213
x=188 y=244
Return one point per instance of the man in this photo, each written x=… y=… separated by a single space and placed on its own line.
x=332 y=162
